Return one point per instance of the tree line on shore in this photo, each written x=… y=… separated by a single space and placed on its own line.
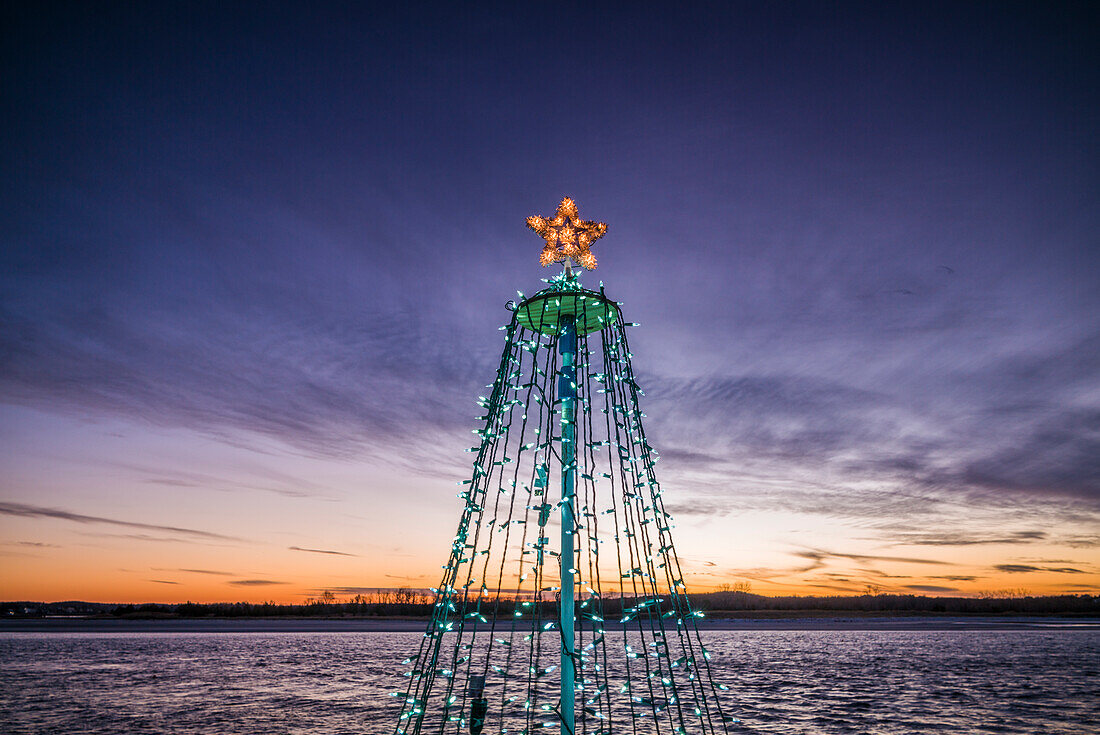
x=418 y=603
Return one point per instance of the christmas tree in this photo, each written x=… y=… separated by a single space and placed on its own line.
x=562 y=606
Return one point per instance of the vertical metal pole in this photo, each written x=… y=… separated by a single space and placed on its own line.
x=567 y=389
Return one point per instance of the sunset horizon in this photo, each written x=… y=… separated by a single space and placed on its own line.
x=259 y=392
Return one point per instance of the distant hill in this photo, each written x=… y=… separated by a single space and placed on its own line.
x=714 y=604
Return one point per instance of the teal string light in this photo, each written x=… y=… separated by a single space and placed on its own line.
x=626 y=656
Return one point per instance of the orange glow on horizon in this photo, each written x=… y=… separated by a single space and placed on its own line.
x=115 y=533
x=92 y=577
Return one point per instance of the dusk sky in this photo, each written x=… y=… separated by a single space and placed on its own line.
x=254 y=260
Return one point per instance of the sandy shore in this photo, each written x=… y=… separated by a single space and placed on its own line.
x=375 y=625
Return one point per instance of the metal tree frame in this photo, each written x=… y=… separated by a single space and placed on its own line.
x=520 y=631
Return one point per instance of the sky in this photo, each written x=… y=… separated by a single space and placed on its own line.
x=254 y=261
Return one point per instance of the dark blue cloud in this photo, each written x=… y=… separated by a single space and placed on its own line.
x=1061 y=454
x=762 y=428
x=861 y=240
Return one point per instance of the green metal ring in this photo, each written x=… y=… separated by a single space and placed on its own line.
x=591 y=311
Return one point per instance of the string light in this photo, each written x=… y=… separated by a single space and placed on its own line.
x=567 y=236
x=498 y=611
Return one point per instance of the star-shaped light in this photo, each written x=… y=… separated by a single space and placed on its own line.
x=567 y=235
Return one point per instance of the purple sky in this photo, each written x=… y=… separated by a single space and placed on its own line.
x=861 y=242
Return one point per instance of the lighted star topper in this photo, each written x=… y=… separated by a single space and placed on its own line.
x=567 y=236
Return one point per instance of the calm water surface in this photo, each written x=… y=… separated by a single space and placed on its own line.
x=780 y=682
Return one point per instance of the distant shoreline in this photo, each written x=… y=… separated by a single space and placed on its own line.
x=405 y=625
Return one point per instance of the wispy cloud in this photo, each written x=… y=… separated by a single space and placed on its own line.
x=254 y=582
x=932 y=538
x=1027 y=568
x=730 y=439
x=1080 y=542
x=699 y=507
x=818 y=555
x=316 y=392
x=34 y=511
x=929 y=588
x=161 y=581
x=321 y=551
x=1060 y=454
x=956 y=577
x=264 y=479
x=144 y=537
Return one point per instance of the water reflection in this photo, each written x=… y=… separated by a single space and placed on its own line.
x=780 y=682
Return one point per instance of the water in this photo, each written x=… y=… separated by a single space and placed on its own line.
x=877 y=682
